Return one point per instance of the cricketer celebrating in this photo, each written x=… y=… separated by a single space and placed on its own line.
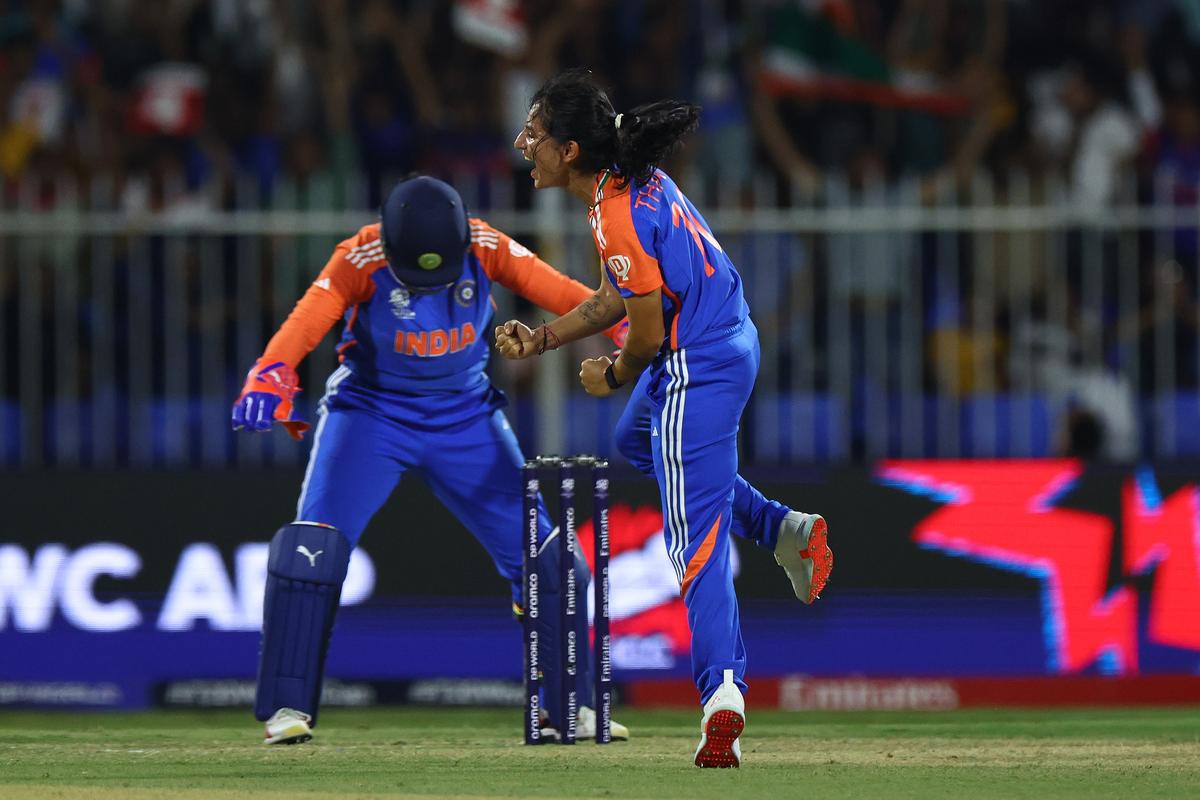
x=410 y=394
x=694 y=354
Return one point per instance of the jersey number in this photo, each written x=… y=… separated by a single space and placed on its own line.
x=700 y=234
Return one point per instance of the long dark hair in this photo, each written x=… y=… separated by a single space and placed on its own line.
x=572 y=107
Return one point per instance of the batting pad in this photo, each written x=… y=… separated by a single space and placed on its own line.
x=305 y=569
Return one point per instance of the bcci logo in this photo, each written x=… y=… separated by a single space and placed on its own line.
x=464 y=293
x=620 y=266
x=400 y=302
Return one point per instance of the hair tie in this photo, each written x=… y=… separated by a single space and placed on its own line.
x=617 y=121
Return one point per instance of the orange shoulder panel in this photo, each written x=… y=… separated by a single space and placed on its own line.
x=345 y=281
x=515 y=267
x=634 y=269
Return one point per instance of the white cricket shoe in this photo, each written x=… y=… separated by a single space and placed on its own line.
x=585 y=727
x=803 y=551
x=288 y=726
x=722 y=724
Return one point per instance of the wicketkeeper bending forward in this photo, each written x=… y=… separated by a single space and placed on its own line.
x=410 y=394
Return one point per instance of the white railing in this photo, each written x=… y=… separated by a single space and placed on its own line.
x=965 y=326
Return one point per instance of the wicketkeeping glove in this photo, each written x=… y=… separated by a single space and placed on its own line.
x=267 y=398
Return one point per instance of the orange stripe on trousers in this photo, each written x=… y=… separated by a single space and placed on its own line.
x=700 y=558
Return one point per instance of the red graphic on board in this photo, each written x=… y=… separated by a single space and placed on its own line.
x=1005 y=514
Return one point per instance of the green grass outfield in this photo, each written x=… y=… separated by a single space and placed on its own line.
x=471 y=753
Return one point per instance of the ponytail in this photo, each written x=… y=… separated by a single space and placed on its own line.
x=650 y=133
x=573 y=108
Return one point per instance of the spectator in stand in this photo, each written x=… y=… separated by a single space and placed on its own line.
x=1105 y=133
x=959 y=46
x=1174 y=162
x=725 y=148
x=1092 y=112
x=394 y=102
x=1166 y=330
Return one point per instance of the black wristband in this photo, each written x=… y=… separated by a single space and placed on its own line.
x=611 y=379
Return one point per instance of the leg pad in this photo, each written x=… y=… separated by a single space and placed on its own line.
x=305 y=569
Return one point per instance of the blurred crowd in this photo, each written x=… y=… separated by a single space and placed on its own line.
x=194 y=105
x=176 y=98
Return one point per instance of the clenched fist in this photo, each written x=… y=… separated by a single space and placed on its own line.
x=591 y=375
x=515 y=340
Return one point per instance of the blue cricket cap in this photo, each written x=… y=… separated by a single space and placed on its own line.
x=425 y=233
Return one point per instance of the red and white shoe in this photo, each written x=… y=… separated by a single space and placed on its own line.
x=723 y=722
x=288 y=726
x=803 y=551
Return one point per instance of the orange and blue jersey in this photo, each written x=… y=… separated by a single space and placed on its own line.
x=411 y=392
x=411 y=395
x=400 y=346
x=652 y=237
x=682 y=419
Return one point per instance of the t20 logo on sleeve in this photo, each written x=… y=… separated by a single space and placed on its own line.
x=620 y=266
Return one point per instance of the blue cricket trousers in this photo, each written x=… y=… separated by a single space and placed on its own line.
x=364 y=442
x=681 y=426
